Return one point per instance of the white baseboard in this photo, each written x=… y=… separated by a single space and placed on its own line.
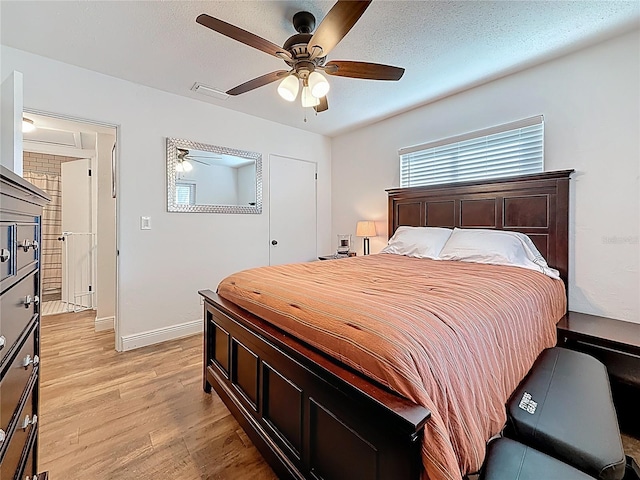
x=104 y=323
x=151 y=337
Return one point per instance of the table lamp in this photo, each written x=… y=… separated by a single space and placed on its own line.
x=366 y=229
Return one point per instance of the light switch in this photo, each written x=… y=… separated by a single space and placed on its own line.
x=145 y=223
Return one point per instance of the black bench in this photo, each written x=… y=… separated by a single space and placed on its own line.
x=562 y=425
x=564 y=409
x=511 y=460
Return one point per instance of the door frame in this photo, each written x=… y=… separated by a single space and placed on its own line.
x=315 y=165
x=115 y=191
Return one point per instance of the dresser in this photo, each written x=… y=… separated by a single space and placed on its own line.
x=20 y=233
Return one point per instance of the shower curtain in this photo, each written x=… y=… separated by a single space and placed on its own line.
x=51 y=248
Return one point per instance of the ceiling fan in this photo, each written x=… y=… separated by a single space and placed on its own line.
x=306 y=53
x=184 y=157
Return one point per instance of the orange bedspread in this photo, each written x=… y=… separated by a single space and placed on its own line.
x=454 y=337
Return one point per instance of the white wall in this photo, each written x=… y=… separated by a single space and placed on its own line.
x=215 y=184
x=246 y=184
x=591 y=104
x=160 y=270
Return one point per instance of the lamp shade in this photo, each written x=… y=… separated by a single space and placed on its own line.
x=366 y=228
x=288 y=88
x=318 y=85
x=308 y=100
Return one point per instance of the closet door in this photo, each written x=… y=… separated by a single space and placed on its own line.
x=292 y=210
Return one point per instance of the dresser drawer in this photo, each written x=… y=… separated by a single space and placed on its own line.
x=15 y=314
x=27 y=245
x=28 y=469
x=7 y=235
x=18 y=442
x=16 y=378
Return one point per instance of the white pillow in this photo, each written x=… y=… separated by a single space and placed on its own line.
x=420 y=242
x=497 y=247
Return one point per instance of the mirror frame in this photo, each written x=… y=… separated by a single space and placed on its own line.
x=172 y=159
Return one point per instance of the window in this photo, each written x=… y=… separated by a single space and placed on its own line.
x=513 y=149
x=185 y=193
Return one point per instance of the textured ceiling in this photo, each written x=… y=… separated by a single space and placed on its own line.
x=444 y=46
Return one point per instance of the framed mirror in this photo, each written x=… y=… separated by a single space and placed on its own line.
x=212 y=179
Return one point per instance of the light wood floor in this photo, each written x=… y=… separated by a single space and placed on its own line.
x=140 y=414
x=53 y=307
x=134 y=415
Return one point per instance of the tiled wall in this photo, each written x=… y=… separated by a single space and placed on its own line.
x=44 y=162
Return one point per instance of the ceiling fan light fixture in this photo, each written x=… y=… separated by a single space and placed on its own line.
x=318 y=84
x=179 y=167
x=288 y=88
x=27 y=125
x=306 y=52
x=308 y=100
x=186 y=165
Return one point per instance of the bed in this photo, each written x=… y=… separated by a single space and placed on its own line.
x=312 y=416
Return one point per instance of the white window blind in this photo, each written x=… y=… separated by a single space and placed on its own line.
x=513 y=149
x=185 y=193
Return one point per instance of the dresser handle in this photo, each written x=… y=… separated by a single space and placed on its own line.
x=26 y=422
x=27 y=244
x=3 y=341
x=4 y=255
x=26 y=361
x=28 y=300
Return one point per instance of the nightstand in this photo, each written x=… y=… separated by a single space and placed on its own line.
x=615 y=343
x=335 y=256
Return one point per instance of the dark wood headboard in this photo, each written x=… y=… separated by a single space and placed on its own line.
x=537 y=205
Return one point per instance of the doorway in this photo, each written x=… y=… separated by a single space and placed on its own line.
x=73 y=161
x=292 y=210
x=67 y=242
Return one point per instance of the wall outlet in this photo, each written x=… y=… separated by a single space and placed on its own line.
x=145 y=223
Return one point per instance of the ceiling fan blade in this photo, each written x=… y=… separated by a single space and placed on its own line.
x=242 y=36
x=204 y=156
x=340 y=19
x=191 y=159
x=366 y=70
x=258 y=82
x=322 y=106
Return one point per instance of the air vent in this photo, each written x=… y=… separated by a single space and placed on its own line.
x=209 y=91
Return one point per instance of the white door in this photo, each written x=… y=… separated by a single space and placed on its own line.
x=292 y=210
x=77 y=256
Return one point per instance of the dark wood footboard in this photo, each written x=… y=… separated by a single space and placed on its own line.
x=309 y=416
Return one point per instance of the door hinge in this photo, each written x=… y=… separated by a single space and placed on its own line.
x=89 y=172
x=90 y=288
x=316 y=176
